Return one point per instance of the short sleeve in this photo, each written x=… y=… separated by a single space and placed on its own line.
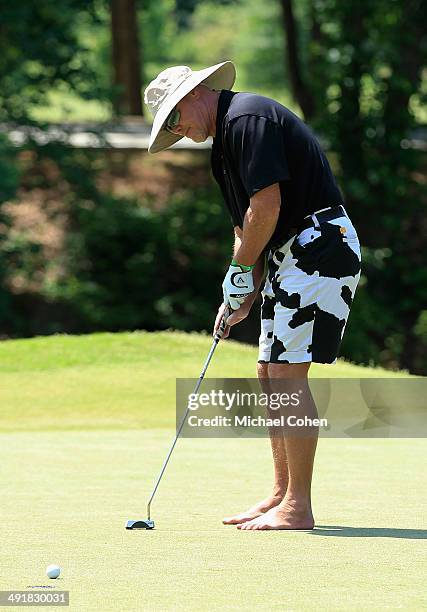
x=257 y=148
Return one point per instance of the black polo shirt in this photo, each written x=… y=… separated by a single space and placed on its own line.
x=258 y=143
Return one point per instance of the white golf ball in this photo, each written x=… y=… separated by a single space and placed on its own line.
x=53 y=571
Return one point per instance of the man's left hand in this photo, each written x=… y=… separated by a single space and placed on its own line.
x=238 y=284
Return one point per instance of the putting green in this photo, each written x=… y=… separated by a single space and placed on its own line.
x=86 y=423
x=67 y=495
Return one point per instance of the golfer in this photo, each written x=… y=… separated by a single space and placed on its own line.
x=291 y=231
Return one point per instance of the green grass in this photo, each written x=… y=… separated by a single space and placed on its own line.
x=86 y=422
x=117 y=381
x=67 y=495
x=65 y=105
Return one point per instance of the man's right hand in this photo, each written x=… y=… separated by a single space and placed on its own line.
x=235 y=317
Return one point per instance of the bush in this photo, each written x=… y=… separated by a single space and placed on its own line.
x=127 y=266
x=9 y=177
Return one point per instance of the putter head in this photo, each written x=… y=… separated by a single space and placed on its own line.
x=140 y=524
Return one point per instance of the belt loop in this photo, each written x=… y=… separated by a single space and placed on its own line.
x=315 y=221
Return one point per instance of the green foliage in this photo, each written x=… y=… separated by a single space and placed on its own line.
x=185 y=9
x=126 y=265
x=259 y=48
x=364 y=61
x=209 y=40
x=132 y=267
x=9 y=170
x=9 y=177
x=256 y=46
x=158 y=27
x=40 y=49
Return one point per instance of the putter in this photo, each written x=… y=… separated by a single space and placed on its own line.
x=148 y=523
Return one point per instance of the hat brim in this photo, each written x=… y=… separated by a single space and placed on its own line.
x=220 y=76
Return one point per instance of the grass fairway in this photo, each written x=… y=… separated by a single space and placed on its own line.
x=84 y=427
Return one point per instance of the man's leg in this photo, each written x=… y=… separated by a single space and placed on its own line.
x=294 y=511
x=280 y=466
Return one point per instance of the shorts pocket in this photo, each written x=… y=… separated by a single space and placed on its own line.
x=307 y=236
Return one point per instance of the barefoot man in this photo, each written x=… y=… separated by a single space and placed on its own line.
x=291 y=231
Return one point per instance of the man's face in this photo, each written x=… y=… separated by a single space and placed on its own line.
x=194 y=119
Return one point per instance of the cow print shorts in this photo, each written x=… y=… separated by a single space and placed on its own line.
x=308 y=292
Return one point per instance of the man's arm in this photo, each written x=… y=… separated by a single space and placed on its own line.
x=258 y=225
x=257 y=273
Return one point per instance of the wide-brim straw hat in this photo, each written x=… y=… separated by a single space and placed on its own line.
x=173 y=84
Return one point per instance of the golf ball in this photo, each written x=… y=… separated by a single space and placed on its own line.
x=53 y=571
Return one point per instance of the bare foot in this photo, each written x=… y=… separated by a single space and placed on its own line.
x=284 y=516
x=256 y=510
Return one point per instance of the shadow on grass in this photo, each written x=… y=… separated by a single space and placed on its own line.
x=369 y=532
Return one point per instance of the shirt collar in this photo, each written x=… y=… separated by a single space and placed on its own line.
x=224 y=102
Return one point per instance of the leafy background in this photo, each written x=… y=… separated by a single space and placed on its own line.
x=110 y=240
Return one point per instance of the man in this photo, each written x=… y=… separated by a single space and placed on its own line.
x=285 y=206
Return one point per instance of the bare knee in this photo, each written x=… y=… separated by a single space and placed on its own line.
x=262 y=370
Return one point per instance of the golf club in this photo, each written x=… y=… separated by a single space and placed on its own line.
x=148 y=523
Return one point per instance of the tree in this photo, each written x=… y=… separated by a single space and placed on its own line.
x=302 y=93
x=40 y=49
x=126 y=58
x=364 y=65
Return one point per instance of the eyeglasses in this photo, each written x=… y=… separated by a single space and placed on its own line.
x=172 y=120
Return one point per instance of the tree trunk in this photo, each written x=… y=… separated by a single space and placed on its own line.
x=299 y=88
x=126 y=61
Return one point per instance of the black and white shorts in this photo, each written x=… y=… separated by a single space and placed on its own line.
x=309 y=289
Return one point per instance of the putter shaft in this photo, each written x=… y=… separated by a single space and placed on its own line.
x=217 y=338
